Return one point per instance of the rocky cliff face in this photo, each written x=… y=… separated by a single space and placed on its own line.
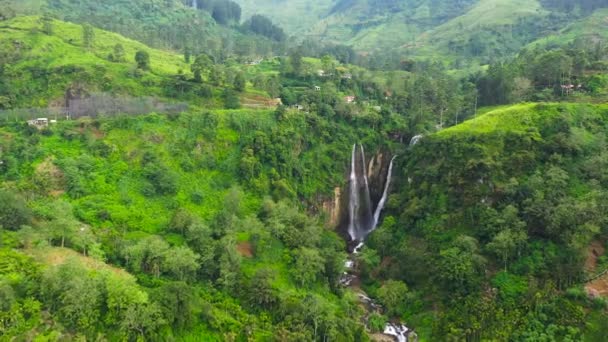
x=332 y=208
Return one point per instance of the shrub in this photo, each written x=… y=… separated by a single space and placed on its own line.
x=13 y=211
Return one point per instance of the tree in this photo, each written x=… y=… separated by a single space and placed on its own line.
x=261 y=25
x=162 y=181
x=231 y=99
x=230 y=264
x=328 y=63
x=141 y=321
x=119 y=53
x=522 y=89
x=261 y=292
x=13 y=211
x=296 y=62
x=80 y=302
x=458 y=266
x=181 y=262
x=225 y=12
x=393 y=294
x=142 y=58
x=181 y=220
x=177 y=302
x=187 y=54
x=147 y=255
x=47 y=24
x=200 y=239
x=7 y=296
x=63 y=225
x=70 y=290
x=240 y=82
x=510 y=240
x=88 y=36
x=307 y=266
x=121 y=294
x=202 y=65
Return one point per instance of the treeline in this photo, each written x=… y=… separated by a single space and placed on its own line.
x=169 y=24
x=228 y=12
x=585 y=6
x=223 y=11
x=545 y=74
x=261 y=25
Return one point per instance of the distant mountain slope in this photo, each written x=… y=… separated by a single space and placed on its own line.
x=593 y=28
x=295 y=16
x=167 y=24
x=41 y=67
x=459 y=31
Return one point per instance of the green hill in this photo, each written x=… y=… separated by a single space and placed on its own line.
x=195 y=186
x=42 y=66
x=167 y=24
x=484 y=207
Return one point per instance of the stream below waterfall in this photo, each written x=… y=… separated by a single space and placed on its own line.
x=363 y=220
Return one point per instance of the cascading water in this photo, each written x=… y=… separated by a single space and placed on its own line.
x=400 y=332
x=195 y=4
x=353 y=201
x=361 y=223
x=384 y=195
x=366 y=207
x=416 y=139
x=362 y=220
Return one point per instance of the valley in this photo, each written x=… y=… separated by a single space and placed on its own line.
x=285 y=170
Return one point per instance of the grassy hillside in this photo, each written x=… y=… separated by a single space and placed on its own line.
x=42 y=66
x=166 y=24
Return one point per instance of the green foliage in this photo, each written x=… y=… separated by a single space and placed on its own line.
x=376 y=322
x=510 y=287
x=261 y=25
x=231 y=99
x=307 y=266
x=88 y=36
x=240 y=82
x=202 y=65
x=211 y=210
x=393 y=295
x=13 y=211
x=142 y=58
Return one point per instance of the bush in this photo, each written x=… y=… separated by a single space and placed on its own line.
x=376 y=322
x=13 y=211
x=231 y=99
x=162 y=180
x=196 y=197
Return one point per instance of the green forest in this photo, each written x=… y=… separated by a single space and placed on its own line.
x=196 y=170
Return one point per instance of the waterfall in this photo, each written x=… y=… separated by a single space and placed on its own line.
x=401 y=332
x=362 y=217
x=361 y=223
x=367 y=213
x=353 y=201
x=195 y=4
x=384 y=194
x=416 y=139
